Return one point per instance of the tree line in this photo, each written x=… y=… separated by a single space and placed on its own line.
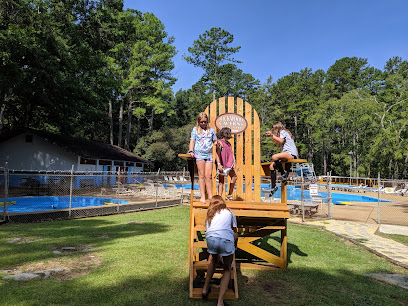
x=94 y=70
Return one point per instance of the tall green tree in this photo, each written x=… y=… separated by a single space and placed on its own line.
x=210 y=51
x=347 y=74
x=232 y=81
x=147 y=86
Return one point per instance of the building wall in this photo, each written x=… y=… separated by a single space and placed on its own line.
x=36 y=155
x=42 y=155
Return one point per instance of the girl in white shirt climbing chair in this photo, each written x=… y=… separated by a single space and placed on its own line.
x=221 y=236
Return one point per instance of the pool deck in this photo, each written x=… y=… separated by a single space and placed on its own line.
x=394 y=212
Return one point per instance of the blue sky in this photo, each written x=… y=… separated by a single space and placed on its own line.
x=280 y=37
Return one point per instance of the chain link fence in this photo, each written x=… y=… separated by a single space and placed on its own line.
x=381 y=201
x=29 y=196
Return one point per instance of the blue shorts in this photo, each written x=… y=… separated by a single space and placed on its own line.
x=220 y=246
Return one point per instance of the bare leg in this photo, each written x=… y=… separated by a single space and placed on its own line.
x=221 y=183
x=232 y=182
x=212 y=262
x=226 y=276
x=208 y=178
x=283 y=156
x=201 y=179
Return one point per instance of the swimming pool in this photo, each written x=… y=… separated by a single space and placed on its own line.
x=33 y=204
x=294 y=193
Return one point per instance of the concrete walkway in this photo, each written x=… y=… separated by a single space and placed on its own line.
x=365 y=235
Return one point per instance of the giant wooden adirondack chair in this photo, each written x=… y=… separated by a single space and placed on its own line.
x=255 y=219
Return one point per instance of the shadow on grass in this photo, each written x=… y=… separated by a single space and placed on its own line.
x=304 y=286
x=41 y=240
x=314 y=286
x=270 y=244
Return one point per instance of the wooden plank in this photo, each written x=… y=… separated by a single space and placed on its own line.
x=221 y=107
x=191 y=253
x=284 y=246
x=260 y=253
x=261 y=207
x=288 y=161
x=231 y=109
x=200 y=244
x=265 y=171
x=257 y=158
x=234 y=276
x=248 y=153
x=240 y=154
x=212 y=116
x=249 y=239
x=221 y=110
x=229 y=294
x=199 y=217
x=260 y=266
x=262 y=214
x=264 y=232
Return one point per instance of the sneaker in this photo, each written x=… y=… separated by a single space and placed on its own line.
x=284 y=177
x=229 y=197
x=273 y=190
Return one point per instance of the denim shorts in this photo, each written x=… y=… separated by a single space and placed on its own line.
x=220 y=246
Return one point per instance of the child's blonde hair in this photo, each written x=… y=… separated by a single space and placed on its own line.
x=278 y=127
x=199 y=118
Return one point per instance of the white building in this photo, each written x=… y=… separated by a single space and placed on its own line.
x=38 y=150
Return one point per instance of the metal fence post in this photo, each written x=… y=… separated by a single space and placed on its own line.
x=6 y=182
x=157 y=190
x=379 y=200
x=302 y=195
x=182 y=185
x=329 y=196
x=70 y=192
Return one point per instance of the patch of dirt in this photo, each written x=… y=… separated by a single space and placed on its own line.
x=273 y=289
x=399 y=299
x=102 y=236
x=27 y=240
x=73 y=267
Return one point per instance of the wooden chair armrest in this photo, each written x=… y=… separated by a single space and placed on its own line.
x=185 y=156
x=265 y=166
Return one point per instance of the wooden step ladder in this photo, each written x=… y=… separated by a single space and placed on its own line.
x=198 y=262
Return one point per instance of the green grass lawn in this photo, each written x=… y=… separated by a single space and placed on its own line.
x=145 y=263
x=400 y=238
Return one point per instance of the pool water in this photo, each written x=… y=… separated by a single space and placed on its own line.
x=33 y=204
x=294 y=193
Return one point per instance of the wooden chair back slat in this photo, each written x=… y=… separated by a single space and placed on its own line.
x=239 y=154
x=257 y=157
x=231 y=109
x=212 y=114
x=248 y=154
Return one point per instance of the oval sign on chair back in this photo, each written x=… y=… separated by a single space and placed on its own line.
x=235 y=122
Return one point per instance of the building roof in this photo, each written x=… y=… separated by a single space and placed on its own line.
x=85 y=148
